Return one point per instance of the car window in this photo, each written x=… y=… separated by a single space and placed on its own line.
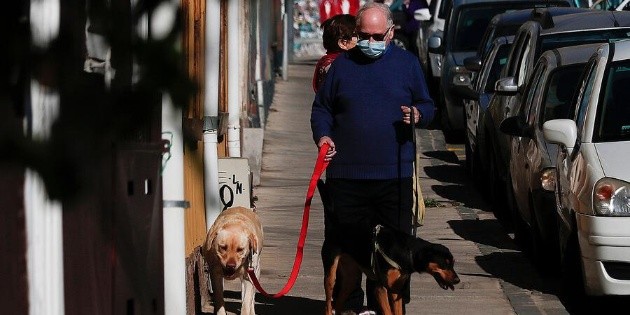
x=608 y=5
x=521 y=74
x=613 y=122
x=582 y=3
x=580 y=113
x=471 y=25
x=560 y=89
x=498 y=62
x=486 y=40
x=532 y=90
x=515 y=54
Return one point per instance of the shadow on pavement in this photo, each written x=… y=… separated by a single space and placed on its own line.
x=446 y=156
x=483 y=232
x=501 y=258
x=271 y=306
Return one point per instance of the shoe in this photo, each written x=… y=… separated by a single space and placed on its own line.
x=367 y=312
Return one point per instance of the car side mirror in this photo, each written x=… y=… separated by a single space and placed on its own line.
x=465 y=92
x=473 y=63
x=435 y=45
x=422 y=14
x=506 y=86
x=516 y=126
x=562 y=132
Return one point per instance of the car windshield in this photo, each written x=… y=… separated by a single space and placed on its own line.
x=473 y=20
x=613 y=114
x=562 y=84
x=557 y=40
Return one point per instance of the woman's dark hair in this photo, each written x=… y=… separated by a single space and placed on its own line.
x=340 y=26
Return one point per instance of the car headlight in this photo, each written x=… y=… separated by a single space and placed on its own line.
x=548 y=179
x=461 y=75
x=611 y=197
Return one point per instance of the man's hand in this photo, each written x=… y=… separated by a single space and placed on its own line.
x=407 y=114
x=331 y=147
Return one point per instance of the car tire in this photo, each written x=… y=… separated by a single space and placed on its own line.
x=470 y=161
x=572 y=275
x=542 y=254
x=521 y=230
x=496 y=187
x=477 y=170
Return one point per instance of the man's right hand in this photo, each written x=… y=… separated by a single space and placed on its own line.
x=331 y=147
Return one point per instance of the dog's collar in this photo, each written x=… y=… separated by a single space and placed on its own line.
x=378 y=250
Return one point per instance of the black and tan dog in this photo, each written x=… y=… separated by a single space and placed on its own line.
x=395 y=257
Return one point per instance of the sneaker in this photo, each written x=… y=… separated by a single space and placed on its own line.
x=367 y=312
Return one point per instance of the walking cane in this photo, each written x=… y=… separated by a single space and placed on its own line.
x=418 y=206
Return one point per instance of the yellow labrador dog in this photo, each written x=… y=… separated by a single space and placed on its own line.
x=234 y=241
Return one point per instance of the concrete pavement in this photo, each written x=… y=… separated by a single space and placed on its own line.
x=496 y=278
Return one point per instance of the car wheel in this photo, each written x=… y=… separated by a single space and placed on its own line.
x=495 y=187
x=521 y=230
x=571 y=270
x=449 y=134
x=541 y=253
x=469 y=157
x=477 y=169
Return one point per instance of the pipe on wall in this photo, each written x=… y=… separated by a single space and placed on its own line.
x=234 y=77
x=174 y=207
x=43 y=217
x=211 y=111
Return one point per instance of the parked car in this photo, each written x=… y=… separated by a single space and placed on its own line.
x=534 y=38
x=476 y=99
x=466 y=23
x=504 y=26
x=434 y=26
x=548 y=95
x=593 y=178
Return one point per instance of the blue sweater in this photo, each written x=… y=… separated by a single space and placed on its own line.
x=358 y=107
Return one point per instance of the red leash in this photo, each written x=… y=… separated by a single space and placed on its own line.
x=320 y=166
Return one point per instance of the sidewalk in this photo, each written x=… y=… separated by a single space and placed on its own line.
x=490 y=268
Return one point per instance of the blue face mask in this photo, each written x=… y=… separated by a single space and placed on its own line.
x=372 y=49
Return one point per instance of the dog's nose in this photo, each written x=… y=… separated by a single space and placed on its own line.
x=456 y=280
x=230 y=267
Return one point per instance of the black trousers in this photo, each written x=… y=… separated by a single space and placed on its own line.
x=357 y=207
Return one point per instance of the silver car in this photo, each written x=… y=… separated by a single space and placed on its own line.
x=532 y=160
x=593 y=177
x=532 y=39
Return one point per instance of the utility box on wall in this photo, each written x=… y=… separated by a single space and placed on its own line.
x=235 y=185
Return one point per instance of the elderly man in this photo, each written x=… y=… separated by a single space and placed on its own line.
x=363 y=111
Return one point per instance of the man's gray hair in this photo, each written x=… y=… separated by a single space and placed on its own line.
x=384 y=8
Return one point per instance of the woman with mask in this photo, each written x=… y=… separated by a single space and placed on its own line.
x=364 y=113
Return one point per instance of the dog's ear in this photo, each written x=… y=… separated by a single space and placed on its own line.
x=253 y=242
x=206 y=249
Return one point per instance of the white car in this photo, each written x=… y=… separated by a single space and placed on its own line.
x=593 y=176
